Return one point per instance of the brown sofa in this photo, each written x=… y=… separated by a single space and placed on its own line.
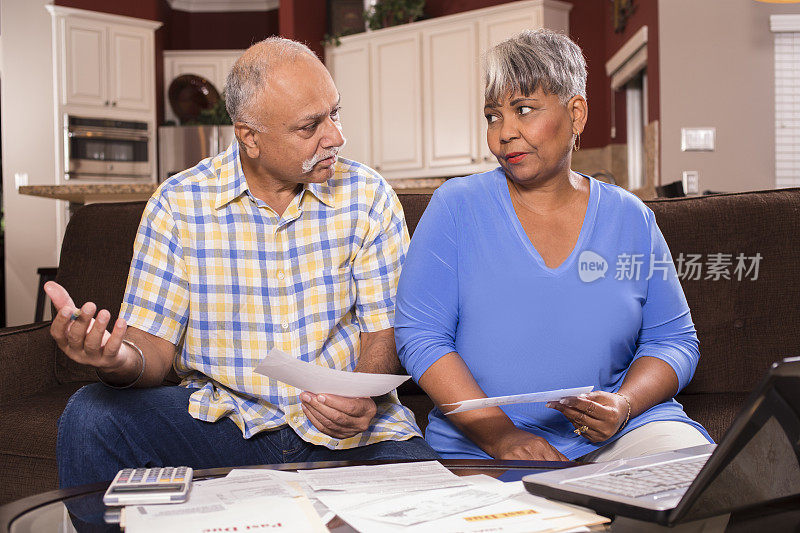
x=743 y=326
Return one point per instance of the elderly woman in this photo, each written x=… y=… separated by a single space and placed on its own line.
x=534 y=277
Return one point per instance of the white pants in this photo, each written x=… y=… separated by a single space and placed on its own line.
x=655 y=437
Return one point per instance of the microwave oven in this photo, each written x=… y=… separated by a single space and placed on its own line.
x=101 y=149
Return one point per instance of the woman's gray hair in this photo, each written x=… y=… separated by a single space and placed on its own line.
x=535 y=59
x=252 y=70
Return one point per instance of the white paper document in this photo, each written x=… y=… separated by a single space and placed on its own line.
x=319 y=379
x=545 y=396
x=413 y=508
x=263 y=500
x=507 y=508
x=376 y=479
x=292 y=516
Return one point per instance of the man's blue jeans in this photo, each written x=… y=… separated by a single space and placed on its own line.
x=104 y=430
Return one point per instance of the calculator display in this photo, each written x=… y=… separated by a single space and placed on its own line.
x=164 y=487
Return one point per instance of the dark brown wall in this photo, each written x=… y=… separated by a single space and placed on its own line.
x=143 y=9
x=305 y=21
x=219 y=31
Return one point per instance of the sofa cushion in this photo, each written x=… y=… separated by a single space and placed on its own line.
x=743 y=326
x=28 y=442
x=98 y=272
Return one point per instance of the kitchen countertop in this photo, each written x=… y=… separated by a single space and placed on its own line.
x=86 y=193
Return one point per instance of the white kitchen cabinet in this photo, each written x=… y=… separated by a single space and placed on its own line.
x=131 y=68
x=85 y=59
x=396 y=102
x=351 y=67
x=213 y=65
x=106 y=62
x=424 y=105
x=451 y=85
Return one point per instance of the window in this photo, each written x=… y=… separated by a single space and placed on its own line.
x=787 y=99
x=627 y=69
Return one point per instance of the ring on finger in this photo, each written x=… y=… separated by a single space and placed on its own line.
x=580 y=430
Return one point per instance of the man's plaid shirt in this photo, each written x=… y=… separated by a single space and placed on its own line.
x=218 y=273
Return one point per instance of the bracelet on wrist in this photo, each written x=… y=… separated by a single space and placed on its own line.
x=135 y=381
x=628 y=416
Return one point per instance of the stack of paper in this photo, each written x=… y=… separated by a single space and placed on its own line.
x=419 y=497
x=241 y=502
x=426 y=497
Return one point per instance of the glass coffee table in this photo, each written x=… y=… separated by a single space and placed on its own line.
x=50 y=511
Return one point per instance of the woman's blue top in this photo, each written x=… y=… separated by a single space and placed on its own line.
x=473 y=283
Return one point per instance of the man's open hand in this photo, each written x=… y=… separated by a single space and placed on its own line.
x=84 y=339
x=338 y=416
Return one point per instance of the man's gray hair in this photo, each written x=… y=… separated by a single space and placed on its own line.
x=252 y=70
x=535 y=59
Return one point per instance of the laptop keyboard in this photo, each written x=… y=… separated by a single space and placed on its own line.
x=645 y=480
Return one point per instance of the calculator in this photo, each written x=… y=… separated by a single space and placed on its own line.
x=142 y=486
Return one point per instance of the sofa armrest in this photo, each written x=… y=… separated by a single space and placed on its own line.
x=27 y=361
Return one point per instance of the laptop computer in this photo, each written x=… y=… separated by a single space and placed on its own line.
x=757 y=461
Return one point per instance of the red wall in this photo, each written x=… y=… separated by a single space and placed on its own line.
x=219 y=31
x=305 y=21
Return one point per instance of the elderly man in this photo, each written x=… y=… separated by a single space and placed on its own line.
x=274 y=243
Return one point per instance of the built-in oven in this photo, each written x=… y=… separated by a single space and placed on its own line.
x=100 y=149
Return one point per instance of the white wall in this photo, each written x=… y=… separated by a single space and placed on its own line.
x=716 y=69
x=28 y=147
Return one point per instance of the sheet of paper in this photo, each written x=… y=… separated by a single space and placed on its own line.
x=215 y=495
x=294 y=480
x=319 y=379
x=545 y=396
x=377 y=479
x=424 y=506
x=513 y=511
x=290 y=515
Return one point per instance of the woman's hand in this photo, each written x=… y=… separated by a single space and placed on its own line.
x=603 y=413
x=518 y=444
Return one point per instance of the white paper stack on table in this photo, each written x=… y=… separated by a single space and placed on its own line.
x=247 y=500
x=422 y=496
x=426 y=497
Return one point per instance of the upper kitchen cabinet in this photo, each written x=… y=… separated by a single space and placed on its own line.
x=417 y=88
x=352 y=67
x=396 y=102
x=105 y=64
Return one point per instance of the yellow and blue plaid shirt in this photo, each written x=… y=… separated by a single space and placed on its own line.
x=217 y=272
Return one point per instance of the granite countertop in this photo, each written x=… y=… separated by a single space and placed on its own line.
x=84 y=193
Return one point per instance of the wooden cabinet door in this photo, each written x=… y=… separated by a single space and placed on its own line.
x=397 y=102
x=450 y=93
x=85 y=59
x=349 y=65
x=130 y=68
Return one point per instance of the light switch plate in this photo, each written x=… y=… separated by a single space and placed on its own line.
x=691 y=181
x=698 y=139
x=20 y=179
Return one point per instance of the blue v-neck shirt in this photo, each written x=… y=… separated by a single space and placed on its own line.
x=473 y=283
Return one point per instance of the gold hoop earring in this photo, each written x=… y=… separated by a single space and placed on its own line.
x=577 y=145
